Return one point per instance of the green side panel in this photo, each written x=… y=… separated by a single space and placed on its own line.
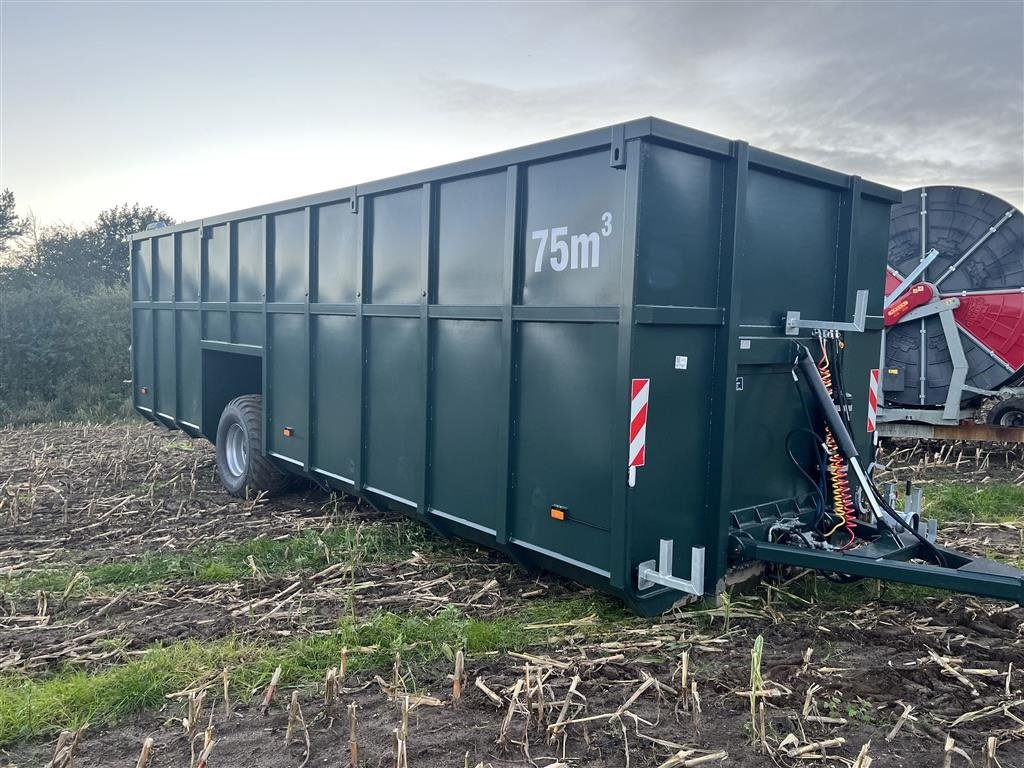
x=248 y=328
x=471 y=240
x=217 y=264
x=164 y=255
x=215 y=326
x=792 y=229
x=142 y=348
x=336 y=254
x=767 y=410
x=189 y=368
x=188 y=266
x=336 y=406
x=572 y=240
x=671 y=492
x=396 y=247
x=467 y=471
x=680 y=224
x=566 y=433
x=142 y=270
x=290 y=257
x=165 y=363
x=249 y=261
x=394 y=410
x=286 y=374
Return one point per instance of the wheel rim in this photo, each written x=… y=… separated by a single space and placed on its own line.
x=236 y=451
x=1012 y=419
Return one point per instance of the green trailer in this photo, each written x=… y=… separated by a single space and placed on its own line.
x=591 y=354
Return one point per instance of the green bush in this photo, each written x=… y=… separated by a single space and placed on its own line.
x=63 y=354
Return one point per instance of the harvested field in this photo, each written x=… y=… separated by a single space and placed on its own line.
x=129 y=583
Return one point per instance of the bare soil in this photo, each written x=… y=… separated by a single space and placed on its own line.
x=89 y=495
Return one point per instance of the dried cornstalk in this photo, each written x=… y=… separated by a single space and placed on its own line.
x=756 y=680
x=513 y=703
x=816 y=746
x=269 y=695
x=863 y=759
x=293 y=712
x=353 y=739
x=331 y=688
x=684 y=675
x=147 y=747
x=204 y=756
x=495 y=698
x=227 y=697
x=907 y=709
x=460 y=663
x=990 y=752
x=343 y=666
x=695 y=711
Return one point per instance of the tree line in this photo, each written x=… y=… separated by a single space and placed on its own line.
x=64 y=314
x=79 y=258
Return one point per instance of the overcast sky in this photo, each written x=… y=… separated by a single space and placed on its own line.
x=201 y=108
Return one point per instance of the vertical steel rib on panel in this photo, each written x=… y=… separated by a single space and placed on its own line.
x=428 y=206
x=506 y=429
x=232 y=297
x=308 y=329
x=723 y=410
x=153 y=280
x=203 y=280
x=846 y=258
x=268 y=273
x=619 y=556
x=176 y=278
x=362 y=247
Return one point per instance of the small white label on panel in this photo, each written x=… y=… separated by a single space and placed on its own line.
x=744 y=343
x=681 y=362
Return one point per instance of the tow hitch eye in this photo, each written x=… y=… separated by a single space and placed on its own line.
x=650 y=573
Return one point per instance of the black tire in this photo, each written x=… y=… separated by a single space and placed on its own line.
x=1008 y=413
x=247 y=469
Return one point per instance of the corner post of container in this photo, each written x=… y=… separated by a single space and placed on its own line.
x=629 y=158
x=311 y=283
x=132 y=351
x=723 y=406
x=358 y=209
x=426 y=282
x=507 y=430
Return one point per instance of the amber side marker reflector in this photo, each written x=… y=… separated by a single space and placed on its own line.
x=558 y=513
x=287 y=431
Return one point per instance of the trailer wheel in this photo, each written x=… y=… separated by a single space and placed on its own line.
x=1008 y=413
x=241 y=464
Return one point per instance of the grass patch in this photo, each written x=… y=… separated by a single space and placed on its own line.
x=313 y=550
x=995 y=503
x=32 y=708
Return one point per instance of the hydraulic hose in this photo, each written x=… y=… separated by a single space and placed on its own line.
x=849 y=450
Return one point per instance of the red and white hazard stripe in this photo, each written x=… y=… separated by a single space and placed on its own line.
x=872 y=400
x=641 y=391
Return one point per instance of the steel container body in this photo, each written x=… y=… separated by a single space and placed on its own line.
x=568 y=351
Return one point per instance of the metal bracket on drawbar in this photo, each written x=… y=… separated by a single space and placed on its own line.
x=651 y=573
x=793 y=322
